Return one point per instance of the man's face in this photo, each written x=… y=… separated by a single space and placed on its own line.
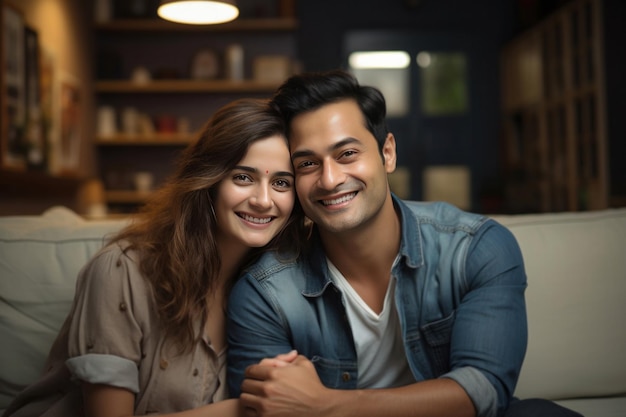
x=341 y=179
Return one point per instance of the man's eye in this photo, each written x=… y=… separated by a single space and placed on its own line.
x=348 y=154
x=305 y=164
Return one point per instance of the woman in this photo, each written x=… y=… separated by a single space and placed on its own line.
x=146 y=330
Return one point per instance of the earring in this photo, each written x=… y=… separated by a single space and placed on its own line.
x=212 y=209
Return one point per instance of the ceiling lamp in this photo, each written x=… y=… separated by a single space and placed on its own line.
x=198 y=12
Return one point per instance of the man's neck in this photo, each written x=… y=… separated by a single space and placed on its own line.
x=366 y=253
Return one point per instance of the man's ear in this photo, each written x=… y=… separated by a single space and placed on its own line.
x=389 y=153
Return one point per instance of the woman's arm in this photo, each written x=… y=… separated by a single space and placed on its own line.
x=108 y=401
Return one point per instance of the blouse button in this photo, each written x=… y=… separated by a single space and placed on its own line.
x=195 y=372
x=122 y=306
x=118 y=263
x=345 y=376
x=164 y=364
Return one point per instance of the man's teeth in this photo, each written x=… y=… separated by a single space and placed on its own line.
x=339 y=200
x=256 y=219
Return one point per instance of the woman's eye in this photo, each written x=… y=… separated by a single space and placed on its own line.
x=281 y=183
x=242 y=178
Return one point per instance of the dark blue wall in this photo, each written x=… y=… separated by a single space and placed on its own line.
x=492 y=23
x=489 y=23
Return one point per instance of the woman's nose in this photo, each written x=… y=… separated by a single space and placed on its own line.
x=262 y=197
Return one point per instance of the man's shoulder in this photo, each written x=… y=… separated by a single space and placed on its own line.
x=443 y=215
x=273 y=264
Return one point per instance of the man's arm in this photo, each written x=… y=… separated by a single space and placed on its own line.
x=274 y=390
x=486 y=348
x=255 y=331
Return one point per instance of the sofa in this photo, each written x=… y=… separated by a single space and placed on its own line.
x=576 y=300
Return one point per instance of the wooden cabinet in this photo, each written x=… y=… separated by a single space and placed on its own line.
x=166 y=52
x=554 y=119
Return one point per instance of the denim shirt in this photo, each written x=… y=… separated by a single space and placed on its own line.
x=459 y=296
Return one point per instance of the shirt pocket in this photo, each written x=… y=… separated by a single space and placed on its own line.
x=336 y=373
x=438 y=335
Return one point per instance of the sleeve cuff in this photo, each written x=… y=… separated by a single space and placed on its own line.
x=478 y=388
x=105 y=369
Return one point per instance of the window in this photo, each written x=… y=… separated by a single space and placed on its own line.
x=443 y=82
x=389 y=72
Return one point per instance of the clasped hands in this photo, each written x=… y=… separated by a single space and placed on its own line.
x=284 y=386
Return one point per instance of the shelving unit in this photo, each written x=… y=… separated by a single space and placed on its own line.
x=126 y=197
x=185 y=86
x=154 y=43
x=156 y=139
x=554 y=127
x=277 y=24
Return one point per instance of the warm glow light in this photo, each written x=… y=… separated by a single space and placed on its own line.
x=379 y=59
x=424 y=59
x=198 y=12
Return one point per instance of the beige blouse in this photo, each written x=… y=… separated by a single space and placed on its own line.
x=112 y=337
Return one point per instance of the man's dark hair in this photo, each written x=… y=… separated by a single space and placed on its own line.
x=309 y=91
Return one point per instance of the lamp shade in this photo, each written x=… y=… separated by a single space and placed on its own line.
x=198 y=12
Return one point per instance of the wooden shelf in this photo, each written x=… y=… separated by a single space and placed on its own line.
x=126 y=43
x=185 y=86
x=156 y=139
x=279 y=24
x=126 y=196
x=618 y=201
x=18 y=182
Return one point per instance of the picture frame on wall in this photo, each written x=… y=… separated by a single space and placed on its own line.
x=34 y=134
x=68 y=146
x=12 y=147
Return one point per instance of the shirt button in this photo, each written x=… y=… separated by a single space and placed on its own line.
x=195 y=372
x=345 y=376
x=118 y=263
x=164 y=364
x=89 y=346
x=122 y=306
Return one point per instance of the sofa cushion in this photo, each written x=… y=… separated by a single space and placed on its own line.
x=597 y=407
x=40 y=257
x=576 y=302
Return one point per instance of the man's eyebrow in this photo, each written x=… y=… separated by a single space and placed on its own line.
x=284 y=174
x=253 y=170
x=307 y=152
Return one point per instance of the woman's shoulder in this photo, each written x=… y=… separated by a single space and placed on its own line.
x=115 y=264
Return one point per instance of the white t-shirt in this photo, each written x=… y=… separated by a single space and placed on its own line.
x=377 y=337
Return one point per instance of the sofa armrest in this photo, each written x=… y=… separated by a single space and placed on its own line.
x=576 y=302
x=40 y=257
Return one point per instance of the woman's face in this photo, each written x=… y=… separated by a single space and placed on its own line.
x=255 y=199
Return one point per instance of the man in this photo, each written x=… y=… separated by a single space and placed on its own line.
x=396 y=308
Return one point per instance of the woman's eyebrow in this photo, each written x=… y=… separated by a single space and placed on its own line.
x=253 y=170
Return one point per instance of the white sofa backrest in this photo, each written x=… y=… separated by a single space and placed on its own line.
x=40 y=257
x=576 y=302
x=576 y=298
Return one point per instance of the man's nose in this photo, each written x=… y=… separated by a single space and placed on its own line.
x=332 y=175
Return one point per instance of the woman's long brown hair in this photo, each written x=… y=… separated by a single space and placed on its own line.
x=175 y=231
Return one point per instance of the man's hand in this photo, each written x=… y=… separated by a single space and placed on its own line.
x=284 y=386
x=280 y=360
